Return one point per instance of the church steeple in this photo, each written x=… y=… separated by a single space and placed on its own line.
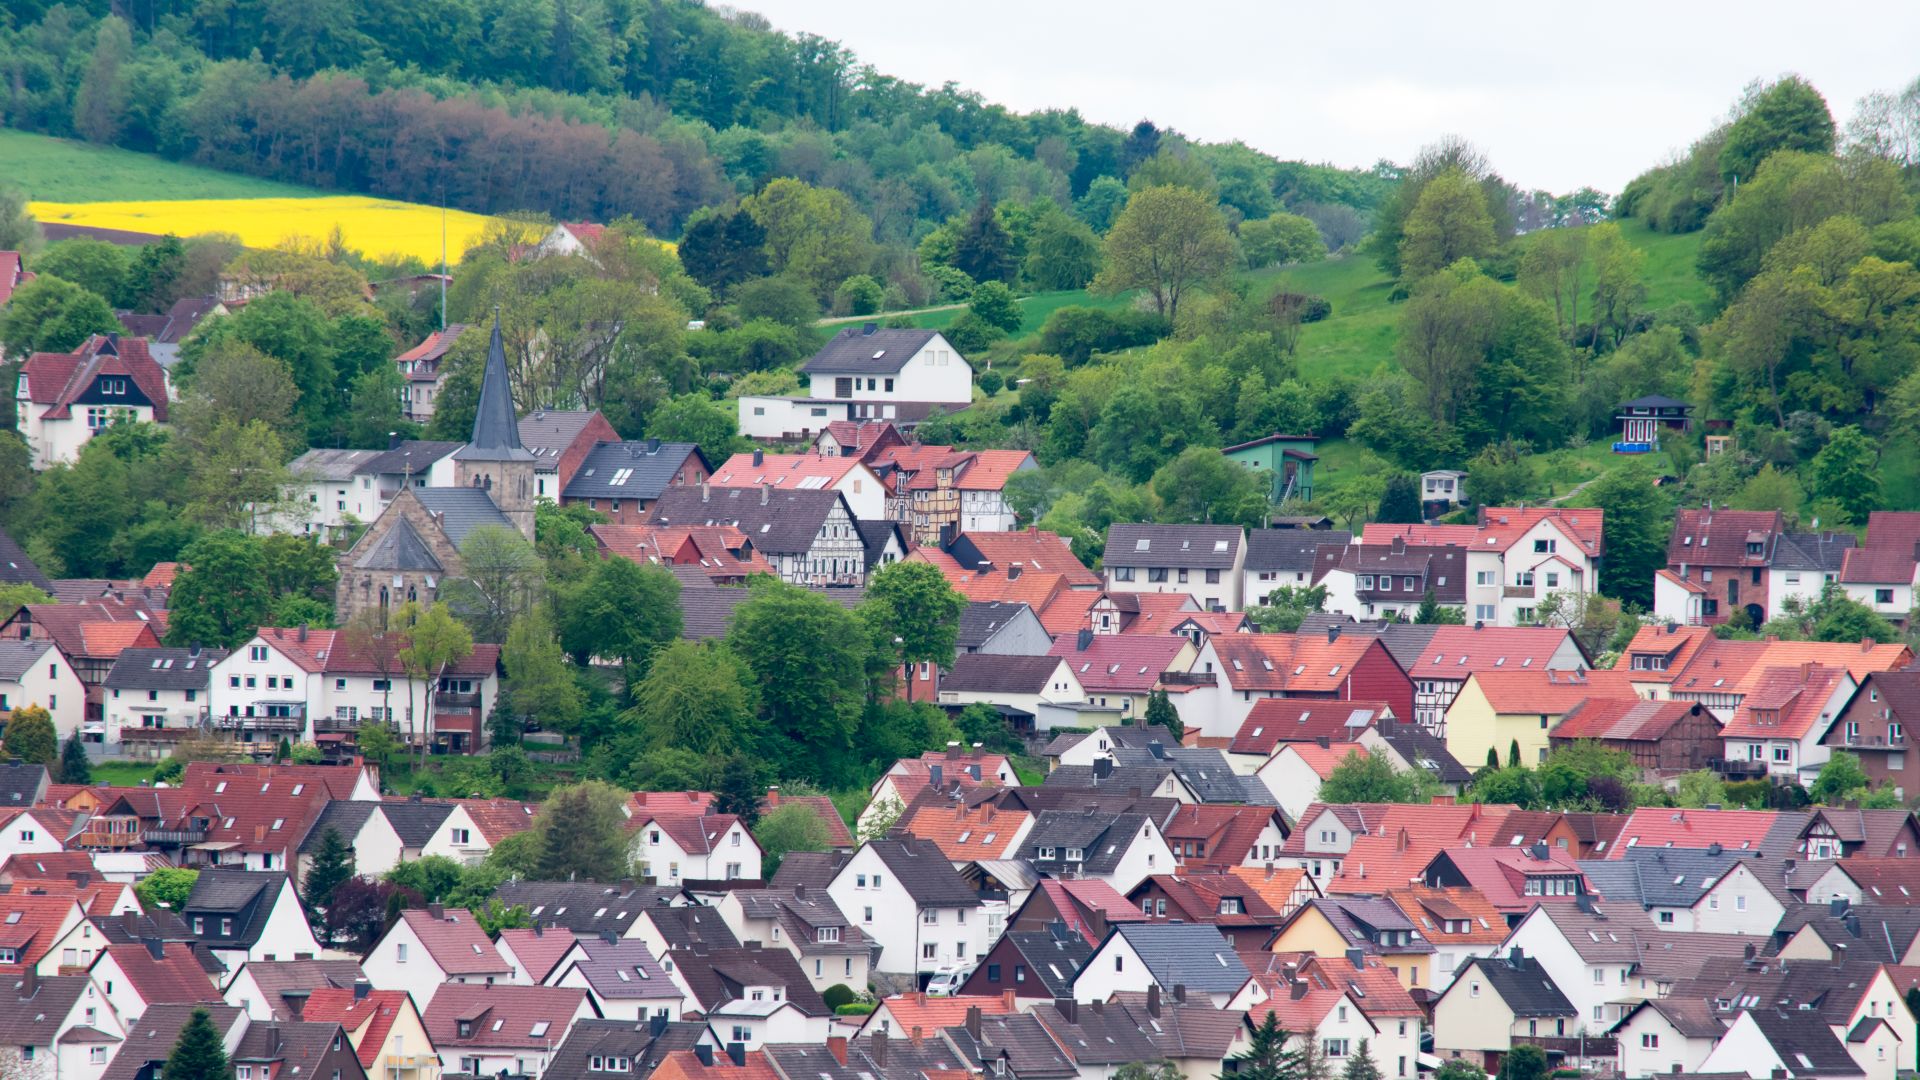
x=495 y=461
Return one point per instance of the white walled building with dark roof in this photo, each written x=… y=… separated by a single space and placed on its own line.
x=1204 y=561
x=866 y=373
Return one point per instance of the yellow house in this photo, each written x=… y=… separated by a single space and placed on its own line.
x=384 y=1027
x=1330 y=926
x=1496 y=709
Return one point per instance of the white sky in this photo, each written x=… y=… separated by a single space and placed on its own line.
x=1583 y=95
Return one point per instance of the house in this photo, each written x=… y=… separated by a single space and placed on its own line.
x=258 y=988
x=60 y=1026
x=148 y=1044
x=1139 y=613
x=1688 y=663
x=1776 y=1043
x=64 y=399
x=1296 y=771
x=156 y=697
x=1804 y=564
x=830 y=947
x=1666 y=1035
x=1736 y=830
x=674 y=848
x=1458 y=922
x=1012 y=1045
x=1497 y=709
x=585 y=908
x=1516 y=556
x=36 y=672
x=406 y=463
x=1856 y=999
x=384 y=1026
x=1645 y=419
x=1035 y=965
x=1221 y=837
x=909 y=901
x=866 y=373
x=1873 y=726
x=18 y=568
x=1782 y=722
x=1661 y=736
x=971 y=829
x=622 y=978
x=1288 y=558
x=721 y=553
x=1410 y=746
x=1451 y=654
x=623 y=1048
x=1206 y=562
x=420 y=366
x=1088 y=906
x=13 y=274
x=1441 y=490
x=1233 y=671
x=1605 y=960
x=1329 y=1015
x=1001 y=629
x=1880 y=573
x=1243 y=916
x=624 y=479
x=1684 y=890
x=325 y=498
x=753 y=996
x=1017 y=685
x=808 y=535
x=1288 y=459
x=1004 y=556
x=1083 y=748
x=862 y=439
x=478 y=1029
x=1195 y=958
x=1197 y=1038
x=134 y=976
x=1511 y=878
x=432 y=948
x=1717 y=562
x=560 y=441
x=571 y=238
x=1494 y=1002
x=1121 y=671
x=1121 y=849
x=242 y=916
x=91 y=636
x=938 y=492
x=1374 y=926
x=1392 y=580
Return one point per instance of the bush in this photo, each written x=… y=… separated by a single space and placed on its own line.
x=859 y=295
x=970 y=334
x=950 y=282
x=858 y=1008
x=991 y=381
x=1075 y=333
x=837 y=995
x=1307 y=308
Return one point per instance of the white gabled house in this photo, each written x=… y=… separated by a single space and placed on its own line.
x=431 y=948
x=1135 y=957
x=906 y=897
x=676 y=848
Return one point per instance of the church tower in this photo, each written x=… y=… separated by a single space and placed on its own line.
x=493 y=460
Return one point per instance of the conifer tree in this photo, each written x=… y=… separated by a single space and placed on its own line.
x=1361 y=1066
x=199 y=1054
x=1266 y=1056
x=75 y=767
x=1160 y=711
x=332 y=864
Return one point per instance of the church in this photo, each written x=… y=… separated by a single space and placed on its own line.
x=413 y=547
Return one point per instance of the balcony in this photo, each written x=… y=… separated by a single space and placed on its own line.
x=1188 y=678
x=1519 y=592
x=1875 y=742
x=446 y=699
x=1738 y=768
x=156 y=734
x=174 y=837
x=333 y=722
x=294 y=720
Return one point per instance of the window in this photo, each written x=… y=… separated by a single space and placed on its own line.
x=1483 y=577
x=742 y=1033
x=1666 y=918
x=929 y=951
x=245 y=1072
x=1119 y=962
x=1335 y=1048
x=399 y=949
x=1543 y=547
x=1883 y=596
x=1483 y=613
x=1157 y=573
x=257 y=653
x=867 y=915
x=1473 y=989
x=1213 y=577
x=1739 y=903
x=1782 y=754
x=993 y=972
x=1649 y=1040
x=1123 y=573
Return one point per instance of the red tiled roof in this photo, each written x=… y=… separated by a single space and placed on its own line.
x=1289 y=662
x=455 y=941
x=376 y=1013
x=669 y=802
x=176 y=979
x=1887 y=557
x=1229 y=832
x=161 y=576
x=1501 y=527
x=1036 y=550
x=1548 y=692
x=502 y=1015
x=965 y=833
x=784 y=472
x=1475 y=920
x=930 y=1014
x=250 y=819
x=685 y=1065
x=838 y=834
x=537 y=951
x=108 y=639
x=991 y=468
x=1375 y=864
x=695 y=833
x=1678 y=644
x=60 y=379
x=1274 y=884
x=1703 y=537
x=1676 y=580
x=715 y=548
x=1655 y=826
x=1273 y=721
x=1622 y=720
x=1323 y=759
x=1454 y=652
x=498 y=819
x=43 y=913
x=337 y=781
x=1094 y=895
x=1785 y=703
x=307 y=648
x=1117 y=663
x=1500 y=874
x=48 y=865
x=586 y=232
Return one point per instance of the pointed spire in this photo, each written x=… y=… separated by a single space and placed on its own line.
x=496 y=433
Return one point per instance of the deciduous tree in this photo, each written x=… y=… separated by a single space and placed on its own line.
x=697 y=696
x=1168 y=241
x=582 y=834
x=217 y=598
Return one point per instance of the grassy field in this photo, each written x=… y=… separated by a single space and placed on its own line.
x=1033 y=309
x=60 y=170
x=123 y=773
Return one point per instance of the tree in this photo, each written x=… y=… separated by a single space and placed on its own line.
x=809 y=655
x=1459 y=1069
x=1062 y=253
x=1400 y=502
x=623 y=611
x=217 y=599
x=200 y=1053
x=1204 y=485
x=75 y=766
x=1168 y=241
x=911 y=606
x=1700 y=788
x=1372 y=778
x=31 y=737
x=1637 y=517
x=332 y=864
x=1361 y=1065
x=94 y=265
x=1430 y=613
x=1287 y=607
x=695 y=418
x=501 y=580
x=993 y=303
x=1149 y=1070
x=1788 y=115
x=739 y=791
x=1846 y=471
x=1266 y=1056
x=721 y=249
x=1514 y=784
x=48 y=314
x=1281 y=238
x=982 y=247
x=1450 y=222
x=540 y=685
x=435 y=642
x=1840 y=778
x=813 y=233
x=582 y=834
x=1524 y=1061
x=1310 y=1060
x=697 y=696
x=167 y=888
x=18 y=229
x=1160 y=713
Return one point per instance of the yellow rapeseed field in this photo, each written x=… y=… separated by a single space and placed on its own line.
x=375 y=227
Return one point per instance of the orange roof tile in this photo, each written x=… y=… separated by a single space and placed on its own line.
x=1323 y=759
x=1454 y=652
x=785 y=471
x=1785 y=702
x=966 y=833
x=1296 y=662
x=1453 y=916
x=930 y=1014
x=1500 y=528
x=107 y=639
x=1653 y=826
x=1546 y=691
x=685 y=1065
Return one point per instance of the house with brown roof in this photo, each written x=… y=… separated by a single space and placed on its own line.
x=1497 y=709
x=91 y=636
x=1336 y=1006
x=829 y=947
x=1783 y=718
x=1660 y=736
x=58 y=1025
x=384 y=1027
x=420 y=367
x=429 y=949
x=478 y=1029
x=1244 y=917
x=1393 y=579
x=137 y=975
x=1515 y=557
x=560 y=441
x=1121 y=672
x=1874 y=724
x=939 y=492
x=1329 y=927
x=64 y=399
x=1088 y=907
x=1881 y=572
x=676 y=848
x=1459 y=922
x=1207 y=837
x=1231 y=672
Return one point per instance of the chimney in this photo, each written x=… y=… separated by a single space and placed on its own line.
x=1068 y=1009
x=737 y=1053
x=1540 y=851
x=764 y=494
x=704 y=1052
x=1516 y=958
x=937 y=776
x=1179 y=993
x=759 y=457
x=973 y=1022
x=800 y=891
x=394 y=440
x=29 y=982
x=436 y=912
x=296 y=1001
x=1358 y=959
x=361 y=988
x=1011 y=1000
x=1153 y=1000
x=1837 y=907
x=706 y=495
x=1013 y=571
x=878 y=1049
x=1297 y=989
x=867 y=329
x=836 y=1045
x=1102 y=768
x=916 y=1035
x=1333 y=634
x=1085 y=639
x=657 y=1026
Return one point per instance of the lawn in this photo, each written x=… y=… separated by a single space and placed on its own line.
x=123 y=772
x=1033 y=309
x=62 y=170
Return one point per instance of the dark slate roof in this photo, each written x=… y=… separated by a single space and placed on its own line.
x=1172 y=545
x=1103 y=837
x=18 y=657
x=462 y=510
x=1054 y=956
x=706 y=609
x=21 y=784
x=1673 y=877
x=276 y=976
x=924 y=872
x=1522 y=983
x=684 y=927
x=584 y=907
x=867 y=350
x=1419 y=746
x=150 y=1041
x=1805 y=1043
x=400 y=549
x=1204 y=769
x=413 y=456
x=163 y=669
x=344 y=816
x=717 y=976
x=1079 y=780
x=34 y=1020
x=786 y=523
x=986 y=673
x=496 y=433
x=981 y=619
x=296 y=1046
x=1117 y=735
x=17 y=569
x=1291 y=549
x=549 y=432
x=814 y=869
x=1105 y=1036
x=1879 y=932
x=1823 y=552
x=251 y=893
x=1193 y=955
x=636 y=1041
x=416 y=822
x=1018 y=1039
x=874 y=536
x=650 y=467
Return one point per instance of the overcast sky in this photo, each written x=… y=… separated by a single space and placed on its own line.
x=1559 y=99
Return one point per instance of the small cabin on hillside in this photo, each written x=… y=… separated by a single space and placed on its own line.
x=1643 y=420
